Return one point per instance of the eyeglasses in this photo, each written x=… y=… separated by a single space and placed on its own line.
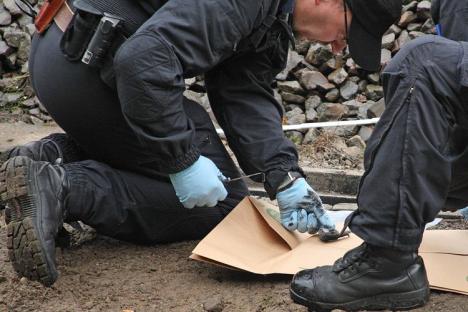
x=345 y=7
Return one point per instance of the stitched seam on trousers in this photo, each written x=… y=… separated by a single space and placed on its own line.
x=377 y=147
x=403 y=177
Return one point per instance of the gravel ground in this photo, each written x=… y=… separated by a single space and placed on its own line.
x=108 y=275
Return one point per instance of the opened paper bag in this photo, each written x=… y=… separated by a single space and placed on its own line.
x=251 y=238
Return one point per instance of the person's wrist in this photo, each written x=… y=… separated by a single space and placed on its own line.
x=288 y=181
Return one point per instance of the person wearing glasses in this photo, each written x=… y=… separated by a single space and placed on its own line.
x=416 y=164
x=141 y=162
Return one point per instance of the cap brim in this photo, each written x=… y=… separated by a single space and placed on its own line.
x=365 y=49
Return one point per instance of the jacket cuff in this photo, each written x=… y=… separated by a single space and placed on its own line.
x=176 y=164
x=274 y=178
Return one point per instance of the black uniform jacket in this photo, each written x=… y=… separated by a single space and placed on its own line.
x=186 y=38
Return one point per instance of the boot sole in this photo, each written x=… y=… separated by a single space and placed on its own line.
x=24 y=245
x=398 y=301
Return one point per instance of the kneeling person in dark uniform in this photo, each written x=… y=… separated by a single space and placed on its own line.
x=139 y=161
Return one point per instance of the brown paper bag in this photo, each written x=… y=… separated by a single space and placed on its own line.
x=251 y=238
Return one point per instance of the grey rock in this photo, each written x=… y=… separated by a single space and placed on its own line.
x=23 y=50
x=214 y=304
x=290 y=86
x=353 y=107
x=31 y=102
x=190 y=81
x=290 y=107
x=13 y=37
x=277 y=96
x=330 y=65
x=355 y=79
x=311 y=136
x=394 y=29
x=403 y=39
x=424 y=10
x=377 y=109
x=414 y=27
x=352 y=66
x=30 y=29
x=295 y=136
x=343 y=131
x=407 y=18
x=318 y=54
x=302 y=46
x=12 y=98
x=24 y=20
x=295 y=117
x=312 y=80
x=362 y=112
x=362 y=85
x=46 y=118
x=332 y=95
x=12 y=84
x=349 y=90
x=311 y=114
x=385 y=56
x=365 y=132
x=11 y=59
x=11 y=6
x=374 y=92
x=292 y=98
x=294 y=59
x=5 y=49
x=313 y=102
x=428 y=26
x=388 y=41
x=331 y=111
x=338 y=76
x=354 y=151
x=36 y=121
x=5 y=17
x=410 y=6
x=356 y=141
x=374 y=78
x=424 y=6
x=35 y=111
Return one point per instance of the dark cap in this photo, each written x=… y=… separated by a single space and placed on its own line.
x=371 y=19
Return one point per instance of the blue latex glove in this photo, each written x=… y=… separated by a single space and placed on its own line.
x=464 y=213
x=301 y=209
x=199 y=184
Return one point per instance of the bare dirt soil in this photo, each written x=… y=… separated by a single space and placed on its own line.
x=109 y=275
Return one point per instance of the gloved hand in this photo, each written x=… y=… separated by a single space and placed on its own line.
x=199 y=184
x=301 y=209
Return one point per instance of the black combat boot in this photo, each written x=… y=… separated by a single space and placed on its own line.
x=57 y=147
x=54 y=148
x=366 y=278
x=35 y=194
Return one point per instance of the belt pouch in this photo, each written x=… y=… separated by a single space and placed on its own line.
x=76 y=38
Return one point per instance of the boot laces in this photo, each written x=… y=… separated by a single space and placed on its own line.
x=352 y=262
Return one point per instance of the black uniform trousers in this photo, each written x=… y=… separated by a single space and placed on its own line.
x=416 y=161
x=111 y=189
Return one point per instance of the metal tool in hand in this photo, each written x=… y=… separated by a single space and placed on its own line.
x=326 y=235
x=226 y=180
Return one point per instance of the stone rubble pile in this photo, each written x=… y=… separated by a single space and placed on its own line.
x=315 y=86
